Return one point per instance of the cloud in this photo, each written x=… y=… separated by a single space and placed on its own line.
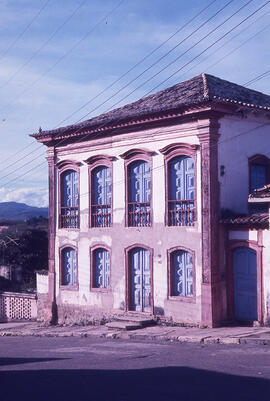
x=31 y=196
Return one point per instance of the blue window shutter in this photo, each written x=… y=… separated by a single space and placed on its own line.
x=140 y=185
x=258 y=176
x=182 y=274
x=102 y=268
x=70 y=187
x=69 y=266
x=181 y=178
x=102 y=186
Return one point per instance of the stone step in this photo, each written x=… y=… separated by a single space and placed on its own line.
x=123 y=325
x=143 y=321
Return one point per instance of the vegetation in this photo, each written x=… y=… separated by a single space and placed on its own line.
x=24 y=247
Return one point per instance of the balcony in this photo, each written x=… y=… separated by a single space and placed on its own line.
x=69 y=217
x=139 y=214
x=101 y=216
x=181 y=212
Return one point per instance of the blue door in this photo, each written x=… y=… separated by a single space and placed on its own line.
x=140 y=280
x=245 y=284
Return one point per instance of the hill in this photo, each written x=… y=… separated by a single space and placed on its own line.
x=20 y=211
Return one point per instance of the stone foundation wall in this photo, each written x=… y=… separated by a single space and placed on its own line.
x=44 y=309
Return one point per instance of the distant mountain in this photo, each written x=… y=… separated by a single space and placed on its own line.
x=20 y=211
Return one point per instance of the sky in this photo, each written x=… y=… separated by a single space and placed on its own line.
x=57 y=55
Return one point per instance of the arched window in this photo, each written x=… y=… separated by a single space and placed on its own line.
x=181 y=273
x=101 y=199
x=181 y=186
x=100 y=268
x=180 y=168
x=69 y=266
x=69 y=210
x=139 y=194
x=259 y=167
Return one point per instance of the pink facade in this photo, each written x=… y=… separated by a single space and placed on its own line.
x=136 y=201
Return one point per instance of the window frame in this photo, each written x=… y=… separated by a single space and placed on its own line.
x=170 y=152
x=63 y=166
x=94 y=162
x=263 y=161
x=180 y=298
x=69 y=287
x=129 y=157
x=93 y=288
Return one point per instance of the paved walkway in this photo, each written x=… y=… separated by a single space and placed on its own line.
x=224 y=335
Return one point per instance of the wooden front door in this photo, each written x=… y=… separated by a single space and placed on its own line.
x=245 y=284
x=140 y=276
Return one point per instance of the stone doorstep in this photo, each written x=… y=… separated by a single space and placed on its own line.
x=124 y=325
x=143 y=321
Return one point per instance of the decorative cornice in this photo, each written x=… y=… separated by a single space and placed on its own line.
x=99 y=158
x=65 y=163
x=136 y=152
x=178 y=147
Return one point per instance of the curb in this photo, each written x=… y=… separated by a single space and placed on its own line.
x=113 y=335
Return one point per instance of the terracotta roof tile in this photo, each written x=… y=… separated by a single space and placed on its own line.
x=256 y=218
x=263 y=192
x=200 y=89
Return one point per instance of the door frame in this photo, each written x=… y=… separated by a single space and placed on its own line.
x=128 y=277
x=234 y=244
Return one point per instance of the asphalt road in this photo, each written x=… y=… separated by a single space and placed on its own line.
x=81 y=369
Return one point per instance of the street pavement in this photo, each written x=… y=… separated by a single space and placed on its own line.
x=89 y=369
x=222 y=335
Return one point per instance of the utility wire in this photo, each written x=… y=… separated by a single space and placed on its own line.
x=194 y=57
x=214 y=15
x=258 y=78
x=228 y=41
x=44 y=44
x=24 y=30
x=60 y=59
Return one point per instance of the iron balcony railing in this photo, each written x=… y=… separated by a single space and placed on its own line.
x=69 y=217
x=101 y=216
x=181 y=213
x=139 y=214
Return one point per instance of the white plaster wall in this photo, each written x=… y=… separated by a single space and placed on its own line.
x=42 y=283
x=85 y=237
x=238 y=142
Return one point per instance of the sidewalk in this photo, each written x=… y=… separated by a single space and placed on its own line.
x=223 y=335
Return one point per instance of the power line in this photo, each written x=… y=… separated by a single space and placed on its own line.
x=60 y=59
x=24 y=30
x=43 y=45
x=194 y=57
x=258 y=78
x=181 y=28
x=228 y=41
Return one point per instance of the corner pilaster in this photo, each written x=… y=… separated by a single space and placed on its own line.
x=211 y=297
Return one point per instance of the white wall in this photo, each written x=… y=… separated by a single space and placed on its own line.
x=238 y=142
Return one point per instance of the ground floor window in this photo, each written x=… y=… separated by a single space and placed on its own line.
x=181 y=273
x=69 y=266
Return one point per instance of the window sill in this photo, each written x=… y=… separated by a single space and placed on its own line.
x=103 y=290
x=179 y=298
x=69 y=287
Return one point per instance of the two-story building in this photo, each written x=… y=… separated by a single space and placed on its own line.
x=136 y=197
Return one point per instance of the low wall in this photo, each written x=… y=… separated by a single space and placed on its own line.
x=15 y=306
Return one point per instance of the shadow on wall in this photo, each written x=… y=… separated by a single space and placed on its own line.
x=159 y=384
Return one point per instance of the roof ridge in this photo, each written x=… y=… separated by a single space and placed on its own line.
x=205 y=86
